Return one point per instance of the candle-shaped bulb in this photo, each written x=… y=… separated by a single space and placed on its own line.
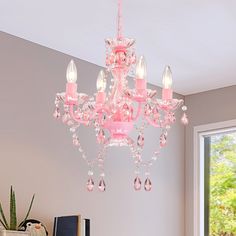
x=167 y=78
x=71 y=72
x=141 y=68
x=101 y=81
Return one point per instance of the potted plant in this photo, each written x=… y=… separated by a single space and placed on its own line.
x=12 y=228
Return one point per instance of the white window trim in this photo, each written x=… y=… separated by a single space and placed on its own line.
x=198 y=169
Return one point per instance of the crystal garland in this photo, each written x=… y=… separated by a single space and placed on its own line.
x=114 y=116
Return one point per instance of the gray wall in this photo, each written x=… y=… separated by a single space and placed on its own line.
x=37 y=155
x=203 y=108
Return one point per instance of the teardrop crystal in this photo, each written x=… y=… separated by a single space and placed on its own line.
x=125 y=106
x=148 y=185
x=102 y=185
x=171 y=117
x=56 y=113
x=137 y=184
x=156 y=115
x=127 y=112
x=140 y=140
x=163 y=139
x=101 y=136
x=147 y=109
x=184 y=119
x=65 y=117
x=90 y=185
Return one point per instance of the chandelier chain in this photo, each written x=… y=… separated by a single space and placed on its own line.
x=119 y=20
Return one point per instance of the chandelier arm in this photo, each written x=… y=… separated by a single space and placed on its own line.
x=100 y=110
x=164 y=123
x=72 y=114
x=152 y=122
x=170 y=106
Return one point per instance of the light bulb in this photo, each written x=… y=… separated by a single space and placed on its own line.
x=141 y=68
x=167 y=78
x=101 y=81
x=71 y=72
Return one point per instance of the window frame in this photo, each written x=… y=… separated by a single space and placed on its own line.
x=200 y=133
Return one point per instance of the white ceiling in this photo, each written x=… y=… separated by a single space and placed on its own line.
x=197 y=38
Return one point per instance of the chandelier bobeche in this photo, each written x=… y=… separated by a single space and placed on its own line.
x=115 y=114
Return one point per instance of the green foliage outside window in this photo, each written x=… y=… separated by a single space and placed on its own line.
x=223 y=185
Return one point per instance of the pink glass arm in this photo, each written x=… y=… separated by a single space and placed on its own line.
x=160 y=124
x=72 y=114
x=101 y=109
x=151 y=122
x=96 y=111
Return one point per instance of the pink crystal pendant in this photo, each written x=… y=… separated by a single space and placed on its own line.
x=137 y=184
x=147 y=109
x=156 y=115
x=184 y=119
x=56 y=113
x=148 y=185
x=65 y=117
x=163 y=138
x=101 y=136
x=171 y=117
x=90 y=185
x=102 y=185
x=140 y=140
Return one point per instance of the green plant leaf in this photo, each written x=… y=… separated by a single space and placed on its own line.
x=12 y=210
x=11 y=207
x=3 y=221
x=28 y=212
x=3 y=224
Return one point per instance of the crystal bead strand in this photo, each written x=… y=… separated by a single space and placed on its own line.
x=57 y=113
x=100 y=159
x=137 y=160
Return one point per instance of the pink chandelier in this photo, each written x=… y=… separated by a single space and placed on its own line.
x=115 y=113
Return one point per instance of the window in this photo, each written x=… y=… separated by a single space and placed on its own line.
x=220 y=184
x=215 y=179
